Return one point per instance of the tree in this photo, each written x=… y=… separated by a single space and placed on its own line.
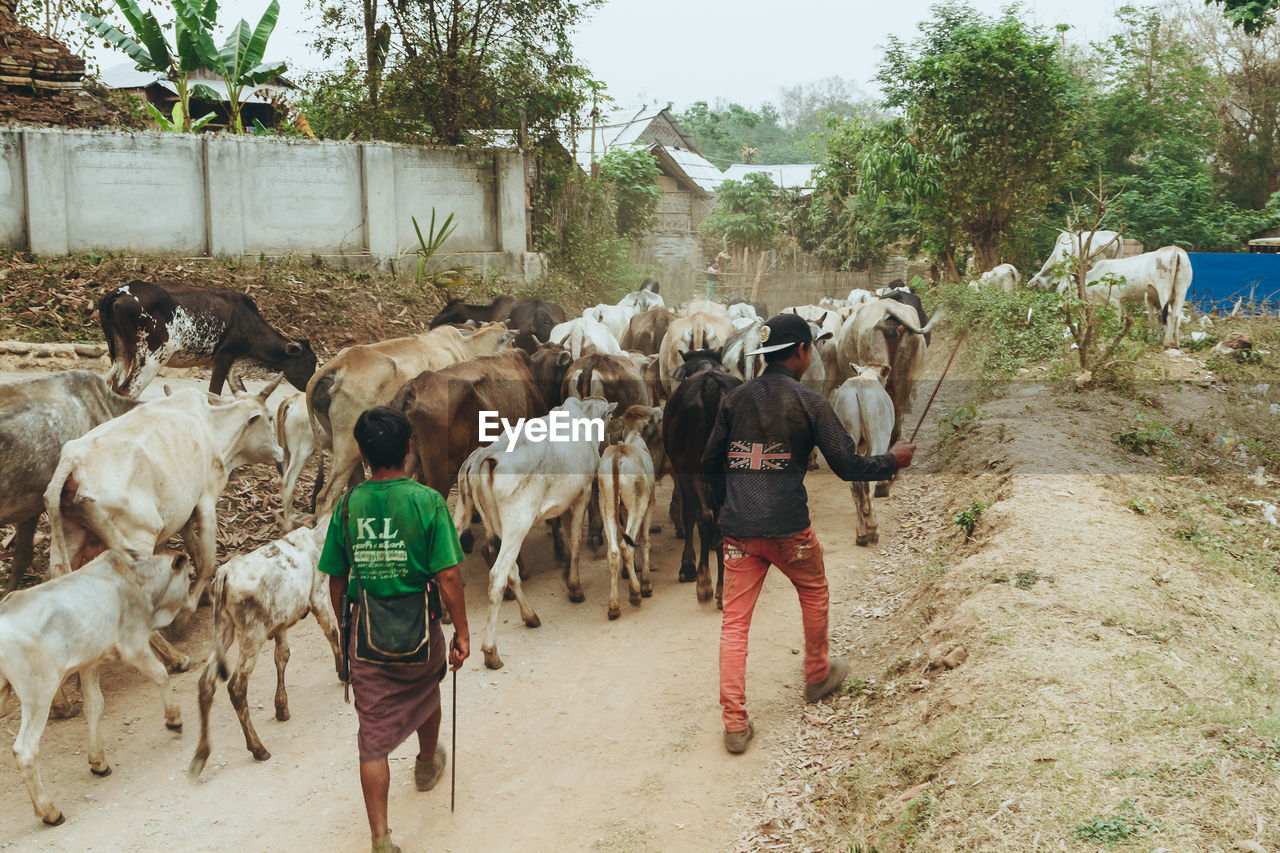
x=732 y=133
x=746 y=213
x=634 y=175
x=986 y=107
x=60 y=19
x=1253 y=16
x=149 y=48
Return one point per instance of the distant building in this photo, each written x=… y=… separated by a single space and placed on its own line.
x=791 y=176
x=264 y=103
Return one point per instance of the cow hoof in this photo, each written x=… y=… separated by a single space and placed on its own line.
x=679 y=533
x=491 y=659
x=282 y=714
x=260 y=754
x=196 y=767
x=106 y=771
x=688 y=574
x=174 y=727
x=468 y=540
x=57 y=820
x=704 y=595
x=614 y=611
x=646 y=591
x=882 y=490
x=181 y=665
x=861 y=540
x=533 y=622
x=719 y=602
x=577 y=596
x=65 y=712
x=508 y=594
x=635 y=599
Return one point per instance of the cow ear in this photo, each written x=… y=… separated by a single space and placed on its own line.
x=884 y=371
x=564 y=359
x=855 y=367
x=293 y=348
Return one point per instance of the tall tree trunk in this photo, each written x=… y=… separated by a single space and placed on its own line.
x=371 y=60
x=986 y=249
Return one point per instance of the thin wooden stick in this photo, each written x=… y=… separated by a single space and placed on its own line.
x=453 y=772
x=959 y=341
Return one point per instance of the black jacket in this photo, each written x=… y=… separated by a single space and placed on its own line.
x=758 y=454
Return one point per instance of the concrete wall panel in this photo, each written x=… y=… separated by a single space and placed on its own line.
x=457 y=182
x=135 y=192
x=300 y=197
x=13 y=209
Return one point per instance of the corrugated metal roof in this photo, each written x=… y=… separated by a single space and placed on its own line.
x=789 y=175
x=699 y=169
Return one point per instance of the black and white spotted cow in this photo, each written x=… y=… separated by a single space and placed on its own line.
x=148 y=326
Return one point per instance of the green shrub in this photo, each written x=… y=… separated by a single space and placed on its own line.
x=1010 y=330
x=1143 y=435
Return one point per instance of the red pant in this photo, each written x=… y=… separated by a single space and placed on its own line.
x=746 y=562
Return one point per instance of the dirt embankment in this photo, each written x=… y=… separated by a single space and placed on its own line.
x=1116 y=613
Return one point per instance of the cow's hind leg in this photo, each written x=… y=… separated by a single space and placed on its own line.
x=689 y=518
x=145 y=661
x=499 y=577
x=23 y=550
x=575 y=515
x=251 y=642
x=646 y=588
x=205 y=692
x=93 y=705
x=282 y=661
x=26 y=750
x=323 y=611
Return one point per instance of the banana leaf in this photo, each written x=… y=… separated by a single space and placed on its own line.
x=204 y=93
x=202 y=121
x=264 y=73
x=196 y=23
x=153 y=38
x=121 y=41
x=165 y=124
x=257 y=46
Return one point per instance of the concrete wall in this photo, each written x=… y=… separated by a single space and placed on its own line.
x=71 y=191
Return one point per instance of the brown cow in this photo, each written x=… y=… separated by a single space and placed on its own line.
x=550 y=364
x=444 y=406
x=646 y=331
x=368 y=375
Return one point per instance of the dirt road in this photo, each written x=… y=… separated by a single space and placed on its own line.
x=597 y=735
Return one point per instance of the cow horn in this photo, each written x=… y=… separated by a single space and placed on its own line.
x=266 y=392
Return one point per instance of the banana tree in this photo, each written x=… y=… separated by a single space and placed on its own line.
x=150 y=49
x=239 y=61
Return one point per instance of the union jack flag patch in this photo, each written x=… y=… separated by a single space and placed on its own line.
x=754 y=456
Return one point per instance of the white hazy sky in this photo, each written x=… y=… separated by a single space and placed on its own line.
x=689 y=50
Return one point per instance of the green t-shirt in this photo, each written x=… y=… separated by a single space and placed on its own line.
x=403 y=533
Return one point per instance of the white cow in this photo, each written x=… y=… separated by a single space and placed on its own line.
x=1005 y=277
x=615 y=318
x=703 y=306
x=696 y=331
x=1070 y=244
x=858 y=297
x=73 y=623
x=743 y=311
x=865 y=409
x=754 y=336
x=582 y=332
x=1160 y=280
x=297 y=442
x=644 y=299
x=626 y=478
x=256 y=597
x=152 y=473
x=830 y=321
x=515 y=487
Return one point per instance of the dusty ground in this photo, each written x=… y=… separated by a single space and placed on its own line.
x=596 y=735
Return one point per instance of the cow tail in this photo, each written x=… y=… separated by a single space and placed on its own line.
x=281 y=414
x=223 y=630
x=60 y=499
x=617 y=499
x=484 y=498
x=107 y=321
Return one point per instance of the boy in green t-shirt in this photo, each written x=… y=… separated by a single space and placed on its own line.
x=400 y=535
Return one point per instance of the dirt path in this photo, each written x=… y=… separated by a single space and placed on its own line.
x=596 y=735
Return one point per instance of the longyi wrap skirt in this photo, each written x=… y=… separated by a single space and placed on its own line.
x=393 y=702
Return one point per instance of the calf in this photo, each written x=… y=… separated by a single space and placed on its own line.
x=687 y=421
x=74 y=623
x=148 y=326
x=457 y=312
x=37 y=417
x=297 y=443
x=626 y=481
x=516 y=487
x=154 y=472
x=1003 y=277
x=866 y=411
x=258 y=597
x=531 y=320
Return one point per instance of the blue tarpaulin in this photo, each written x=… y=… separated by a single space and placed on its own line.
x=1219 y=279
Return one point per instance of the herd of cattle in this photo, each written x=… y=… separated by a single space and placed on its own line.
x=118 y=477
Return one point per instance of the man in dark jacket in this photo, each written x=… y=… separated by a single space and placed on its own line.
x=755 y=460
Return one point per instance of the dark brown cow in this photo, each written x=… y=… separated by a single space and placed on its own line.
x=150 y=325
x=443 y=407
x=687 y=421
x=457 y=311
x=550 y=364
x=646 y=331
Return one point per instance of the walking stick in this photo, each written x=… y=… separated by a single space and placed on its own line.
x=453 y=773
x=959 y=341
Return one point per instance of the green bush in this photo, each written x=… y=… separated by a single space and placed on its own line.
x=1010 y=330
